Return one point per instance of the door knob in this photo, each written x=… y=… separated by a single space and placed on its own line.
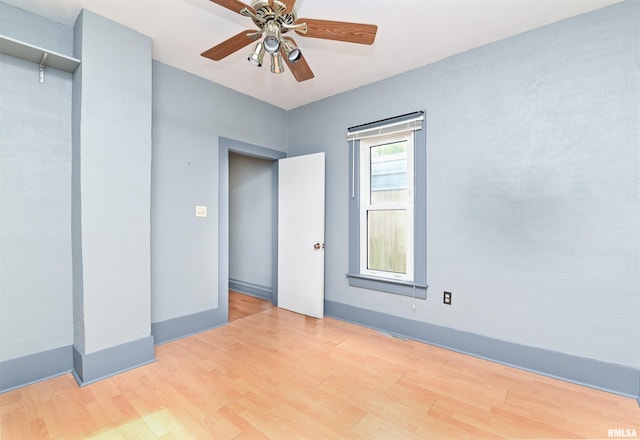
x=318 y=246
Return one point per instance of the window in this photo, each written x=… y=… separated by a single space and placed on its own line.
x=387 y=208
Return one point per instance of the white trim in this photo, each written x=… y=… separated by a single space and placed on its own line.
x=366 y=206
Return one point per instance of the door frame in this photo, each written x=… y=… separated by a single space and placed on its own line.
x=226 y=146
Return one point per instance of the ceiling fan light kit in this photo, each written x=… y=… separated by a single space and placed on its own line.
x=276 y=63
x=272 y=39
x=274 y=19
x=291 y=51
x=257 y=55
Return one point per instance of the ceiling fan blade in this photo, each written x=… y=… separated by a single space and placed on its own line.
x=229 y=46
x=234 y=5
x=290 y=5
x=339 y=30
x=300 y=69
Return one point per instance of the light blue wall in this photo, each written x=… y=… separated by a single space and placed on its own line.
x=189 y=114
x=76 y=193
x=35 y=188
x=251 y=213
x=113 y=146
x=532 y=186
x=38 y=31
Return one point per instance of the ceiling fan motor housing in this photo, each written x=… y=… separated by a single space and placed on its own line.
x=266 y=13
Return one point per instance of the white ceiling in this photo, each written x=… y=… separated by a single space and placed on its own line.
x=411 y=33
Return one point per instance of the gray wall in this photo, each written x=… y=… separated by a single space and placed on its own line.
x=189 y=114
x=251 y=213
x=35 y=193
x=38 y=31
x=112 y=114
x=532 y=186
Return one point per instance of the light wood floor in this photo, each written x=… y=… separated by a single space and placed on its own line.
x=241 y=305
x=279 y=375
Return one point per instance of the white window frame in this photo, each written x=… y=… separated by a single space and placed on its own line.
x=416 y=286
x=367 y=206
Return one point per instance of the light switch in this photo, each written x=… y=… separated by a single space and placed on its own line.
x=201 y=211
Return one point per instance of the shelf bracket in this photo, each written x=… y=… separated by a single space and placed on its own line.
x=43 y=66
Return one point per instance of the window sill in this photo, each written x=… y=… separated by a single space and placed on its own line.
x=396 y=287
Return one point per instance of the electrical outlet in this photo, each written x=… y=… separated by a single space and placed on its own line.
x=446 y=298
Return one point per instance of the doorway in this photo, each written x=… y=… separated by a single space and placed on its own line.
x=297 y=239
x=251 y=217
x=227 y=149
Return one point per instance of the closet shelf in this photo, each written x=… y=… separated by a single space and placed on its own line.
x=45 y=58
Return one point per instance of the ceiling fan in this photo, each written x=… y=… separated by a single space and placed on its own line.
x=274 y=19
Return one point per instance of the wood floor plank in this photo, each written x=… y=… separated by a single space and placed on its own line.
x=374 y=427
x=232 y=412
x=376 y=400
x=241 y=305
x=275 y=374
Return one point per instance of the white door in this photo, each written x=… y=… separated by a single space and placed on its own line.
x=301 y=234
